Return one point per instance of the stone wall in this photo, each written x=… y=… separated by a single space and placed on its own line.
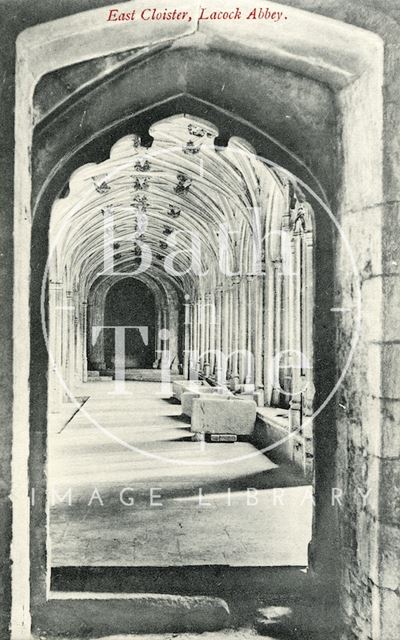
x=368 y=404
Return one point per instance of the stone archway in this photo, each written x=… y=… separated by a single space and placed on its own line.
x=170 y=215
x=351 y=193
x=121 y=308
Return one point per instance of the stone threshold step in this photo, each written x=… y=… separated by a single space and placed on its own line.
x=99 y=614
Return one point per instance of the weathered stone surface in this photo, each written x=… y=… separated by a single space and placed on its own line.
x=360 y=193
x=102 y=614
x=180 y=386
x=301 y=620
x=391 y=304
x=177 y=388
x=385 y=565
x=384 y=503
x=190 y=393
x=361 y=228
x=390 y=244
x=392 y=150
x=257 y=396
x=187 y=397
x=272 y=619
x=220 y=415
x=244 y=633
x=372 y=298
x=187 y=402
x=386 y=624
x=384 y=440
x=390 y=370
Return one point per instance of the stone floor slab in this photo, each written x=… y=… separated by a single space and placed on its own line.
x=183 y=502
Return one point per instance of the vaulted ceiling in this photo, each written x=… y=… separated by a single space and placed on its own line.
x=182 y=194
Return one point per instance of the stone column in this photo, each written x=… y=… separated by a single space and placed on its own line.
x=288 y=273
x=251 y=315
x=242 y=330
x=277 y=318
x=158 y=323
x=195 y=338
x=97 y=360
x=308 y=305
x=218 y=331
x=55 y=345
x=173 y=337
x=286 y=373
x=77 y=340
x=88 y=334
x=187 y=344
x=225 y=331
x=202 y=331
x=84 y=341
x=235 y=333
x=259 y=347
x=213 y=328
x=229 y=314
x=206 y=328
x=269 y=305
x=295 y=412
x=69 y=315
x=165 y=355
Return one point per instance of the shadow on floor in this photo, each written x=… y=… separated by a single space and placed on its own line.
x=250 y=592
x=245 y=589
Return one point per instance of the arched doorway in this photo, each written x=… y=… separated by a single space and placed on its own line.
x=35 y=367
x=223 y=256
x=130 y=303
x=239 y=303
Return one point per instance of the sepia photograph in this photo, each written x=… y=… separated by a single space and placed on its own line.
x=200 y=320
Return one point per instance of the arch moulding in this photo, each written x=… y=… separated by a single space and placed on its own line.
x=346 y=58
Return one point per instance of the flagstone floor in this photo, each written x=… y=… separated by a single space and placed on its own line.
x=128 y=487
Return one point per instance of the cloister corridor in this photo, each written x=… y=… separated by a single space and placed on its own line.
x=177 y=308
x=180 y=345
x=200 y=336
x=251 y=511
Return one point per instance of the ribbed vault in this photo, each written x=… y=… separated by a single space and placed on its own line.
x=142 y=204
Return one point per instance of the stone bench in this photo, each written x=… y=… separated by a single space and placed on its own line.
x=257 y=396
x=188 y=397
x=223 y=415
x=181 y=386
